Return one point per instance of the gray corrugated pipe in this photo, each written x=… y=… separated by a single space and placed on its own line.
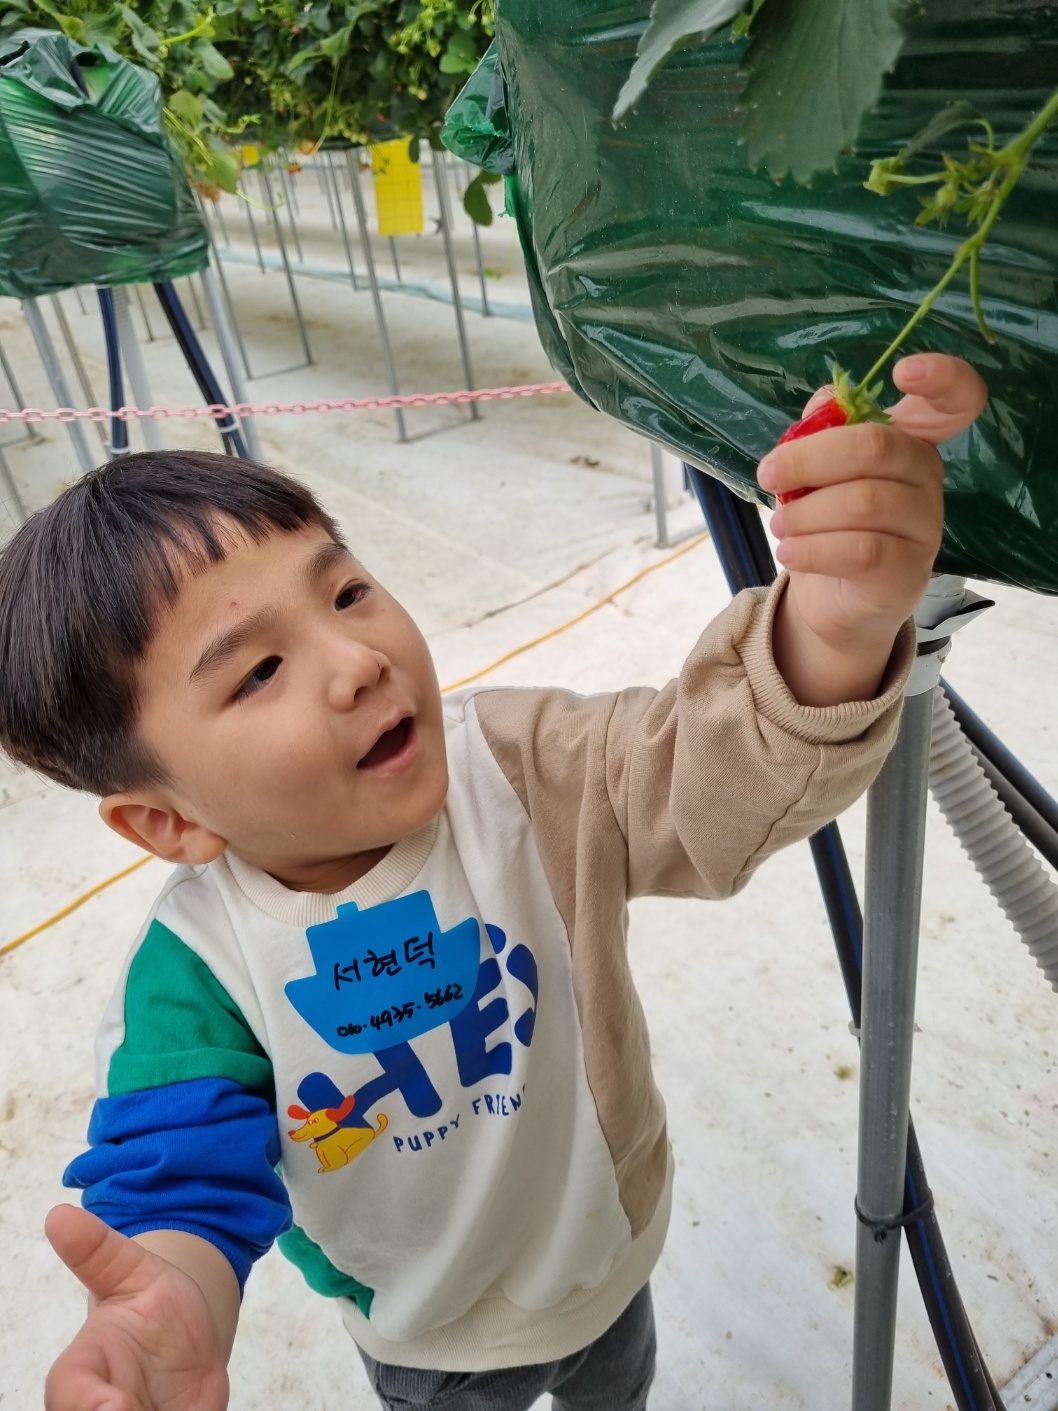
x=992 y=840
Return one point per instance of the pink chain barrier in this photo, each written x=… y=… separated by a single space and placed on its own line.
x=345 y=404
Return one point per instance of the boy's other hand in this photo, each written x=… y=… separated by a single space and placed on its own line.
x=859 y=549
x=148 y=1344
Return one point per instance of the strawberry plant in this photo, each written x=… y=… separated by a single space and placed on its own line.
x=281 y=72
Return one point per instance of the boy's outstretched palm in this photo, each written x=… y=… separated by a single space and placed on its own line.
x=148 y=1344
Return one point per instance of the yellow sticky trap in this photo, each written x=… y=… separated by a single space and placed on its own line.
x=398 y=188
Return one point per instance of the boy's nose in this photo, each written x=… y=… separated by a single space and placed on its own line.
x=356 y=669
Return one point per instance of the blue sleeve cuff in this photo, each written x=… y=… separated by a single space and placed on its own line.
x=197 y=1156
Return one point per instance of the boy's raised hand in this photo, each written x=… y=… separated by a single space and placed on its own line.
x=860 y=547
x=148 y=1344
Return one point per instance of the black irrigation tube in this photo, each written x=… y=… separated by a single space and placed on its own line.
x=119 y=430
x=201 y=371
x=745 y=556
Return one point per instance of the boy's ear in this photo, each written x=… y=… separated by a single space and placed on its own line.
x=154 y=824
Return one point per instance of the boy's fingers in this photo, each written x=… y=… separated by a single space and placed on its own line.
x=818 y=399
x=845 y=453
x=944 y=395
x=850 y=554
x=880 y=506
x=78 y=1382
x=107 y=1263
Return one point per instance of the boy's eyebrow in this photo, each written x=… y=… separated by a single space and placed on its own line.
x=222 y=648
x=326 y=557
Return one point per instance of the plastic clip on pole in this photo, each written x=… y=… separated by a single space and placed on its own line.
x=896 y=826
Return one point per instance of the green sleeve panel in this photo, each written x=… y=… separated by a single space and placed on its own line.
x=320 y=1274
x=181 y=1023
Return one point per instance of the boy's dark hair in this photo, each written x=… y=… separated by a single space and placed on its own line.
x=81 y=587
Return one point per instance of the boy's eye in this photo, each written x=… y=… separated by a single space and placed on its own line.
x=257 y=678
x=351 y=594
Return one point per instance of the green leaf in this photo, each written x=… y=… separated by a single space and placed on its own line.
x=213 y=61
x=949 y=118
x=73 y=28
x=476 y=202
x=337 y=44
x=224 y=169
x=187 y=107
x=814 y=68
x=672 y=24
x=461 y=56
x=303 y=56
x=413 y=151
x=144 y=39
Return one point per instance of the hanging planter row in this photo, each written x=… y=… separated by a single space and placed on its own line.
x=281 y=73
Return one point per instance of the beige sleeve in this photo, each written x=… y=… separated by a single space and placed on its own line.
x=698 y=783
x=681 y=791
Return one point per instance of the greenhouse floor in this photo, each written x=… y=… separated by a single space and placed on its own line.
x=495 y=533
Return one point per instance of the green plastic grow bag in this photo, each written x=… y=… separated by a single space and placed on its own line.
x=700 y=302
x=91 y=192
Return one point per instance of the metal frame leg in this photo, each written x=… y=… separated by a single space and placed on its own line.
x=288 y=201
x=78 y=366
x=143 y=312
x=134 y=365
x=57 y=379
x=353 y=163
x=330 y=178
x=31 y=432
x=14 y=498
x=274 y=212
x=441 y=182
x=896 y=830
x=485 y=310
x=227 y=351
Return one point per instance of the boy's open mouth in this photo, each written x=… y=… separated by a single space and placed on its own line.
x=388 y=745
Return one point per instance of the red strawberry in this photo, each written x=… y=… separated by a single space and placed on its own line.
x=830 y=414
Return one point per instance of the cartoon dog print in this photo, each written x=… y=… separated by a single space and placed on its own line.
x=335 y=1146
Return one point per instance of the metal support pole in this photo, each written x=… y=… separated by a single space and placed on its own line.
x=229 y=303
x=896 y=831
x=78 y=366
x=295 y=204
x=353 y=163
x=395 y=258
x=485 y=310
x=331 y=179
x=31 y=433
x=274 y=211
x=325 y=174
x=200 y=317
x=661 y=519
x=231 y=364
x=441 y=182
x=80 y=301
x=253 y=234
x=135 y=366
x=288 y=201
x=57 y=379
x=896 y=828
x=141 y=305
x=13 y=497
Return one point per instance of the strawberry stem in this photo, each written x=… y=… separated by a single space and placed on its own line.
x=1013 y=157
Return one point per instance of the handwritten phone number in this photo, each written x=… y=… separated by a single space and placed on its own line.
x=397 y=1013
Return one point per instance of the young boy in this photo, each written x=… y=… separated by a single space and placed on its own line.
x=382 y=1009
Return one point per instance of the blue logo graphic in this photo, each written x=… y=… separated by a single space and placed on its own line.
x=386 y=975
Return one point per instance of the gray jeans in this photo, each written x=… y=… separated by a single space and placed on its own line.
x=611 y=1374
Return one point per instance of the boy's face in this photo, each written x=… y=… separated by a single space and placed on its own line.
x=294 y=708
